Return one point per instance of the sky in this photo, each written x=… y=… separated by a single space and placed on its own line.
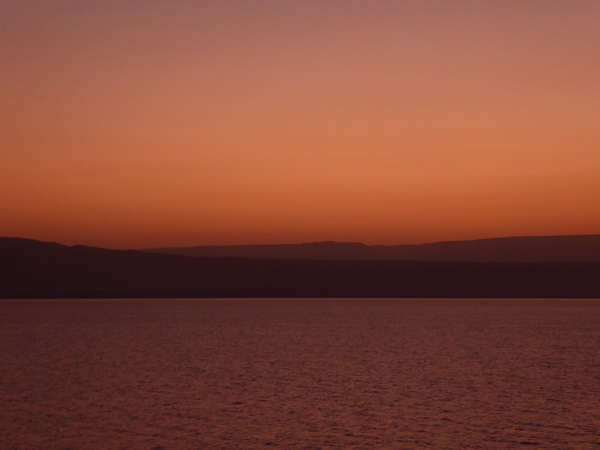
x=145 y=123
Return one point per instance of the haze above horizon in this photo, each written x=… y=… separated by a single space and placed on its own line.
x=152 y=124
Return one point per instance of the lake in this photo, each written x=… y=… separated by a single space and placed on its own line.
x=295 y=373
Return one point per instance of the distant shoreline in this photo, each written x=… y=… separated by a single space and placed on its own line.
x=34 y=269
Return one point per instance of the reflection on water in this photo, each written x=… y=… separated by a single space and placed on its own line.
x=300 y=373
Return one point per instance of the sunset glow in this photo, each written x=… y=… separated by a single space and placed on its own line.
x=148 y=123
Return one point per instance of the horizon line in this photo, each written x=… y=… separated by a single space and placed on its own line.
x=311 y=242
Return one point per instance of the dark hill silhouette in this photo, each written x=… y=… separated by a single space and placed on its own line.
x=33 y=269
x=584 y=248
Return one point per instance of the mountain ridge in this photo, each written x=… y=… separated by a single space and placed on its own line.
x=558 y=248
x=35 y=269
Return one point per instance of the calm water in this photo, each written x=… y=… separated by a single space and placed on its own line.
x=300 y=374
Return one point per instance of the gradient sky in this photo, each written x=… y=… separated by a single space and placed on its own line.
x=130 y=124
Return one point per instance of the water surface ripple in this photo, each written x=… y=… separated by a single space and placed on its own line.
x=300 y=374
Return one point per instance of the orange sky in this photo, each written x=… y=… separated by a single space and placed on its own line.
x=160 y=123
